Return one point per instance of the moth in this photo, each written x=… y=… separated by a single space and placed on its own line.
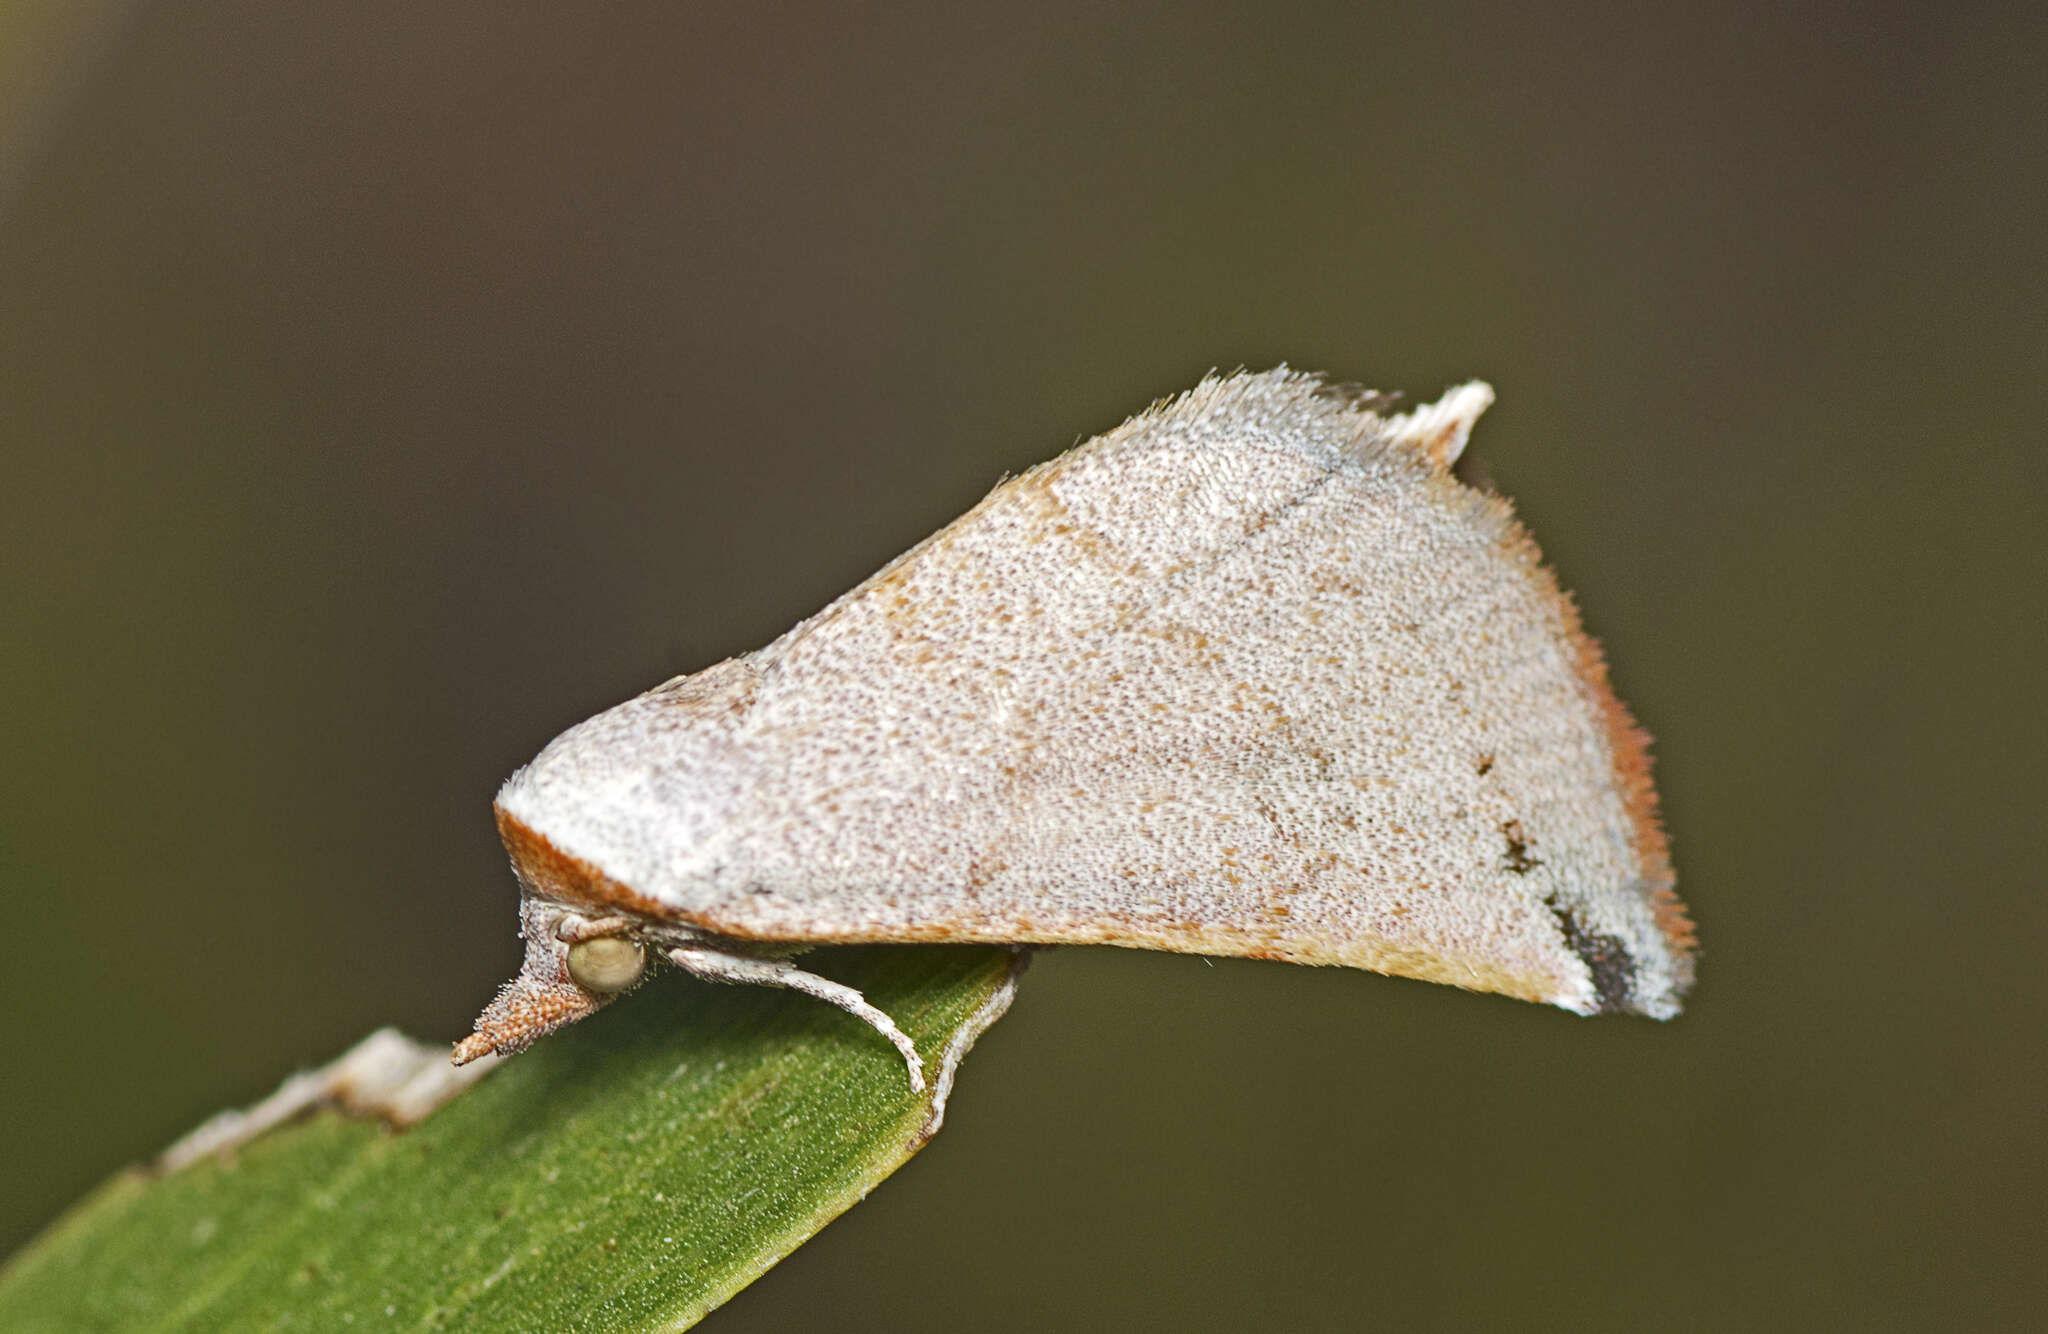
x=1253 y=674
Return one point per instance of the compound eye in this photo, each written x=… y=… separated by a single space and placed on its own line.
x=607 y=964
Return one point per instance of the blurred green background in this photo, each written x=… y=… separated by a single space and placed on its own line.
x=382 y=391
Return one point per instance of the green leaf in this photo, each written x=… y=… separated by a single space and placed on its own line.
x=631 y=1172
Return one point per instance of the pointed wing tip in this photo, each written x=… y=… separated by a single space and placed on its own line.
x=1440 y=430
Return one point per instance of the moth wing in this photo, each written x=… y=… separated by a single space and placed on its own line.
x=1251 y=674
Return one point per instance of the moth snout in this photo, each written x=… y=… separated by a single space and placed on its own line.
x=527 y=1008
x=553 y=987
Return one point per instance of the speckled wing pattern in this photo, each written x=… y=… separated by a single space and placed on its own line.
x=1253 y=674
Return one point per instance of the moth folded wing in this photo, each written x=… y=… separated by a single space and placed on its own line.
x=1251 y=675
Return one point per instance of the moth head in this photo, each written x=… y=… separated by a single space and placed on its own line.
x=574 y=964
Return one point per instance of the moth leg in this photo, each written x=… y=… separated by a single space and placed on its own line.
x=386 y=1075
x=575 y=927
x=964 y=1038
x=714 y=966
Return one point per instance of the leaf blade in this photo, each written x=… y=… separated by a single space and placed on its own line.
x=632 y=1172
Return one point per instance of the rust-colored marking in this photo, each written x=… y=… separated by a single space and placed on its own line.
x=554 y=874
x=1628 y=747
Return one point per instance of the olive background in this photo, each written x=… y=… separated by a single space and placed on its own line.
x=384 y=388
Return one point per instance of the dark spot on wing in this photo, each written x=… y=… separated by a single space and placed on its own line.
x=1517 y=858
x=1485 y=765
x=1605 y=957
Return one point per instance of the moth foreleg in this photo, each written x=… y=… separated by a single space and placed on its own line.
x=716 y=966
x=964 y=1037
